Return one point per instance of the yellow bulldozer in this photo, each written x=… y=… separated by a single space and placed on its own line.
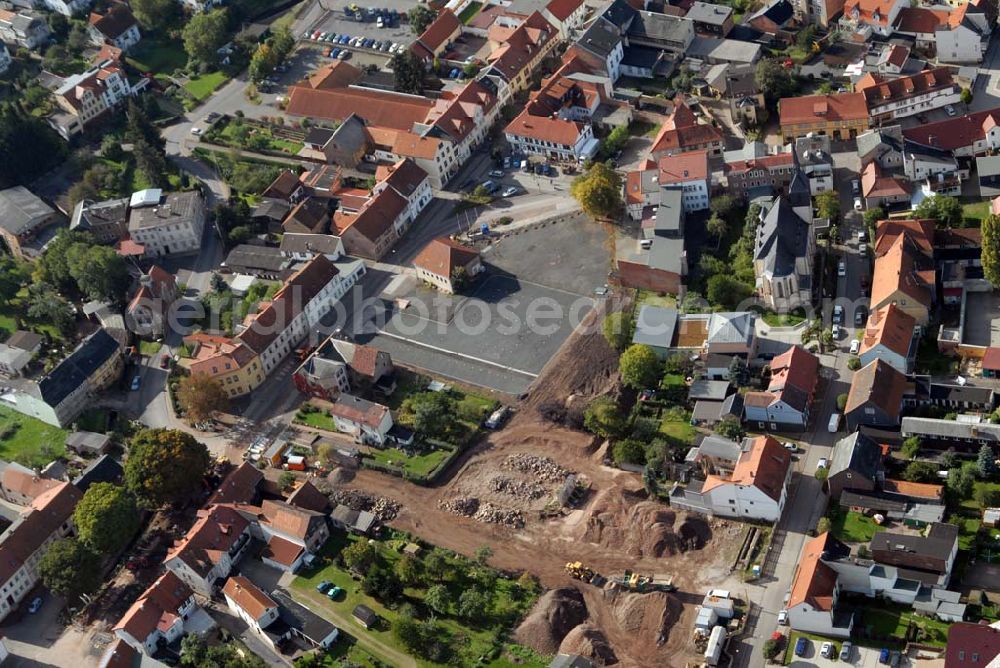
x=577 y=570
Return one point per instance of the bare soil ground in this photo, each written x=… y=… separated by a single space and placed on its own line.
x=615 y=528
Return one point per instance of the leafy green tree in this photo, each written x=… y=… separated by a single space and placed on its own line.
x=771 y=648
x=99 y=272
x=69 y=568
x=986 y=463
x=966 y=96
x=283 y=41
x=987 y=497
x=822 y=474
x=473 y=604
x=106 y=518
x=911 y=447
x=841 y=402
x=872 y=216
x=598 y=191
x=409 y=570
x=28 y=146
x=774 y=81
x=628 y=451
x=806 y=37
x=944 y=209
x=961 y=480
x=823 y=525
x=640 y=367
x=359 y=556
x=44 y=305
x=262 y=63
x=483 y=554
x=201 y=395
x=286 y=481
x=150 y=161
x=438 y=598
x=679 y=364
x=717 y=226
x=139 y=128
x=617 y=329
x=436 y=565
x=205 y=34
x=164 y=466
x=420 y=17
x=615 y=141
x=153 y=14
x=920 y=472
x=827 y=205
x=408 y=72
x=726 y=291
x=991 y=250
x=430 y=413
x=196 y=653
x=603 y=417
x=723 y=205
x=77 y=39
x=14 y=274
x=382 y=584
x=730 y=427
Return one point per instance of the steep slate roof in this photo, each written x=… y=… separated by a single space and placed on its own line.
x=891 y=327
x=74 y=371
x=441 y=256
x=782 y=238
x=878 y=383
x=922 y=552
x=856 y=453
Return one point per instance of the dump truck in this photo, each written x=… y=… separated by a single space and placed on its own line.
x=639 y=582
x=577 y=570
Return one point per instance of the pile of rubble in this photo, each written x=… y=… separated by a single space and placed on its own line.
x=542 y=468
x=482 y=512
x=384 y=509
x=518 y=488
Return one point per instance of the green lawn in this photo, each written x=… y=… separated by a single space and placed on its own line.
x=974 y=212
x=782 y=319
x=852 y=527
x=467 y=642
x=93 y=420
x=470 y=12
x=679 y=431
x=149 y=348
x=970 y=502
x=30 y=442
x=420 y=464
x=892 y=621
x=318 y=420
x=249 y=137
x=655 y=299
x=967 y=532
x=203 y=86
x=158 y=55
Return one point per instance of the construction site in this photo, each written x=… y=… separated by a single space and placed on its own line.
x=625 y=573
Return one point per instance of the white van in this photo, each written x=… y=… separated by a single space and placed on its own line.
x=834 y=423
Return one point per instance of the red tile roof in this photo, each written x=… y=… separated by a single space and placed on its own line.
x=682 y=130
x=764 y=466
x=240 y=486
x=387 y=109
x=919 y=230
x=991 y=360
x=814 y=582
x=47 y=513
x=157 y=609
x=891 y=327
x=248 y=596
x=874 y=183
x=441 y=256
x=404 y=177
x=897 y=270
x=954 y=133
x=282 y=551
x=376 y=218
x=544 y=128
x=440 y=30
x=971 y=645
x=766 y=162
x=216 y=531
x=868 y=10
x=563 y=9
x=915 y=490
x=879 y=91
x=683 y=168
x=921 y=20
x=809 y=109
x=114 y=23
x=25 y=483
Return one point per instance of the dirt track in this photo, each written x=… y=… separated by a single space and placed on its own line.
x=615 y=528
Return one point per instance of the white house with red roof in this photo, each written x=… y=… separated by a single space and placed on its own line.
x=84 y=98
x=689 y=173
x=682 y=132
x=966 y=136
x=147 y=311
x=117 y=27
x=865 y=17
x=250 y=604
x=786 y=403
x=565 y=15
x=159 y=615
x=367 y=421
x=210 y=549
x=441 y=261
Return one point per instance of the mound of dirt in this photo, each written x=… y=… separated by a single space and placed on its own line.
x=555 y=614
x=340 y=476
x=649 y=615
x=589 y=641
x=637 y=527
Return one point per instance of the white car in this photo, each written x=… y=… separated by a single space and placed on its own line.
x=196 y=132
x=841 y=268
x=823 y=463
x=863 y=249
x=950 y=110
x=511 y=191
x=855 y=346
x=835 y=330
x=827 y=651
x=791 y=447
x=857 y=204
x=783 y=618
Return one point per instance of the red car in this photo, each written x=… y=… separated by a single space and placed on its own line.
x=165 y=361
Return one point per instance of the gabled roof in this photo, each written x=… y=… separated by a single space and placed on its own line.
x=880 y=384
x=157 y=609
x=240 y=486
x=213 y=534
x=875 y=183
x=890 y=327
x=114 y=23
x=683 y=168
x=966 y=640
x=47 y=513
x=794 y=374
x=815 y=582
x=442 y=256
x=808 y=109
x=440 y=29
x=682 y=130
x=76 y=369
x=290 y=520
x=563 y=9
x=928 y=552
x=764 y=466
x=856 y=453
x=404 y=177
x=24 y=482
x=358 y=410
x=920 y=231
x=782 y=239
x=306 y=496
x=247 y=596
x=375 y=219
x=921 y=20
x=873 y=12
x=879 y=91
x=898 y=270
x=954 y=133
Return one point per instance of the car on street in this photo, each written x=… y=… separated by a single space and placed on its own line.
x=491 y=187
x=855 y=187
x=863 y=249
x=950 y=110
x=860 y=316
x=835 y=331
x=823 y=463
x=496 y=173
x=135 y=382
x=841 y=268
x=323 y=586
x=855 y=346
x=801 y=645
x=857 y=204
x=212 y=117
x=862 y=236
x=601 y=290
x=344 y=55
x=783 y=614
x=845 y=650
x=883 y=655
x=35 y=606
x=196 y=131
x=511 y=191
x=838 y=313
x=826 y=650
x=834 y=423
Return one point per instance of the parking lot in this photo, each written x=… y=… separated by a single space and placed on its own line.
x=539 y=286
x=861 y=657
x=337 y=22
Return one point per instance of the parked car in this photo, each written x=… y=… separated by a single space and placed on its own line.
x=863 y=249
x=883 y=655
x=838 y=313
x=196 y=132
x=791 y=447
x=835 y=331
x=857 y=204
x=860 y=316
x=823 y=463
x=334 y=592
x=783 y=614
x=950 y=110
x=135 y=382
x=601 y=290
x=35 y=606
x=841 y=268
x=845 y=650
x=344 y=55
x=496 y=173
x=336 y=52
x=800 y=646
x=855 y=346
x=323 y=586
x=491 y=187
x=511 y=191
x=834 y=423
x=453 y=74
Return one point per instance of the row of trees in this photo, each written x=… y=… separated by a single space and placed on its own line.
x=163 y=466
x=270 y=54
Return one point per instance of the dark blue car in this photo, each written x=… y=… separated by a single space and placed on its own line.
x=800 y=646
x=883 y=656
